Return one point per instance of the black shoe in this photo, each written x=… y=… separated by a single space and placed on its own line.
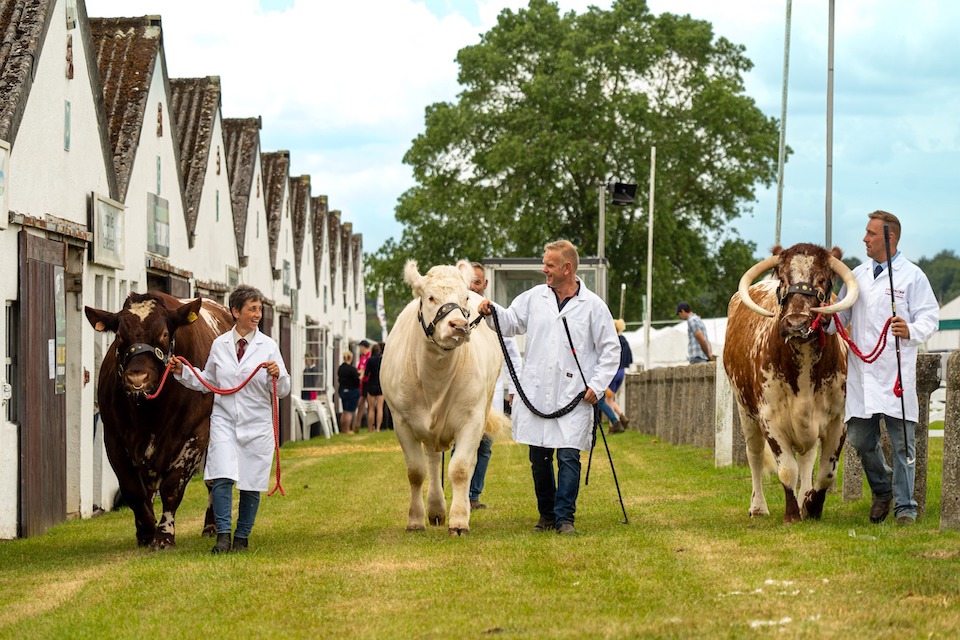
x=879 y=510
x=223 y=543
x=566 y=529
x=476 y=504
x=239 y=544
x=544 y=524
x=905 y=521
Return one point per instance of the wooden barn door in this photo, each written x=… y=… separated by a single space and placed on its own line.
x=284 y=343
x=42 y=410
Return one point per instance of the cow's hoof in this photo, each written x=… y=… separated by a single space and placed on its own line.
x=758 y=513
x=791 y=518
x=162 y=545
x=415 y=527
x=437 y=520
x=209 y=531
x=456 y=533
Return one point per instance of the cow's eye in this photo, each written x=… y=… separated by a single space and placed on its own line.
x=431 y=299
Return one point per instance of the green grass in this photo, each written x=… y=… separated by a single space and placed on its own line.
x=332 y=559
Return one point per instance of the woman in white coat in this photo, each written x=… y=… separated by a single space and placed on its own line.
x=241 y=424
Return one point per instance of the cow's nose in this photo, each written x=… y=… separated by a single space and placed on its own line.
x=137 y=380
x=795 y=324
x=458 y=324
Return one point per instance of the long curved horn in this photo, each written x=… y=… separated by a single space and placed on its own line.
x=853 y=289
x=747 y=279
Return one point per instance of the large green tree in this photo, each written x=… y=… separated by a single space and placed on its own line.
x=555 y=105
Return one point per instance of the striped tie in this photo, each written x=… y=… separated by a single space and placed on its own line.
x=241 y=348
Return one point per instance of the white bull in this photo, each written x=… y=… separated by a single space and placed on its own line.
x=438 y=377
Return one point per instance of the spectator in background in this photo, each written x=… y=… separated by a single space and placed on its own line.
x=618 y=421
x=698 y=344
x=484 y=452
x=310 y=378
x=348 y=388
x=372 y=391
x=364 y=348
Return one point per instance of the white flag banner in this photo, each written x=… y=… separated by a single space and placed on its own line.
x=381 y=312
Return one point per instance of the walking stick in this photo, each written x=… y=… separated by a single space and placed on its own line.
x=596 y=426
x=899 y=385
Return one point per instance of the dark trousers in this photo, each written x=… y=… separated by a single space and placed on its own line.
x=556 y=498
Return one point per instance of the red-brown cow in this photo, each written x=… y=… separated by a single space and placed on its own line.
x=155 y=445
x=789 y=380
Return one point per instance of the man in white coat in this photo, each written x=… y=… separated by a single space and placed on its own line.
x=241 y=424
x=871 y=387
x=553 y=375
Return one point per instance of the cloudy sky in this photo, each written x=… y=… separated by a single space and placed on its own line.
x=343 y=86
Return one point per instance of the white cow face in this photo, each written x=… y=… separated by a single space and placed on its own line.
x=443 y=293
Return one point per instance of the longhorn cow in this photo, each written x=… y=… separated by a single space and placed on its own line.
x=788 y=377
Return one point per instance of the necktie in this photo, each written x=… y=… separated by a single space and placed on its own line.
x=241 y=347
x=877 y=270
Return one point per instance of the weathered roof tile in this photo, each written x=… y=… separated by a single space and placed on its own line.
x=194 y=105
x=126 y=50
x=241 y=141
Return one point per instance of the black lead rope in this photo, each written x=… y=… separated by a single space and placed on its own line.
x=516 y=382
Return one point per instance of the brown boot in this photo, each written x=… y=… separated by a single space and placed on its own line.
x=624 y=421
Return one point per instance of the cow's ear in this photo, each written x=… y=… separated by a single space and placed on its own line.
x=102 y=320
x=411 y=275
x=776 y=250
x=187 y=313
x=837 y=253
x=466 y=272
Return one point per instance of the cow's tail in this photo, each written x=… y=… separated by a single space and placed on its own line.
x=496 y=424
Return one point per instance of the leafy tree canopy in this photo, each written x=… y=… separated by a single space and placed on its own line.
x=555 y=105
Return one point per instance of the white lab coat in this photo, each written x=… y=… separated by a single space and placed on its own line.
x=241 y=426
x=870 y=386
x=550 y=377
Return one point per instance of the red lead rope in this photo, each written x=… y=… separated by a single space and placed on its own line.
x=868 y=358
x=226 y=392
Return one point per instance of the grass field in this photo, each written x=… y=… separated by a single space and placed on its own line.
x=331 y=559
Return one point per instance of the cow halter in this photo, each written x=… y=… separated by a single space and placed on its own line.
x=442 y=313
x=139 y=347
x=803 y=288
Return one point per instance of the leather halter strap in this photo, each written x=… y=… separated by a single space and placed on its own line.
x=138 y=348
x=442 y=313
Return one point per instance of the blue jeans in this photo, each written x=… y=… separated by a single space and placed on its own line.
x=222 y=508
x=556 y=500
x=607 y=411
x=864 y=435
x=484 y=451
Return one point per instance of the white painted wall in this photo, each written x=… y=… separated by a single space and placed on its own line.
x=47 y=178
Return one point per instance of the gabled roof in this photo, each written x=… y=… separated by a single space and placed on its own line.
x=299 y=205
x=275 y=169
x=194 y=103
x=318 y=213
x=126 y=50
x=23 y=29
x=23 y=26
x=241 y=141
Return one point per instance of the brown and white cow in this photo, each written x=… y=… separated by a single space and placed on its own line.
x=789 y=379
x=155 y=445
x=438 y=377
